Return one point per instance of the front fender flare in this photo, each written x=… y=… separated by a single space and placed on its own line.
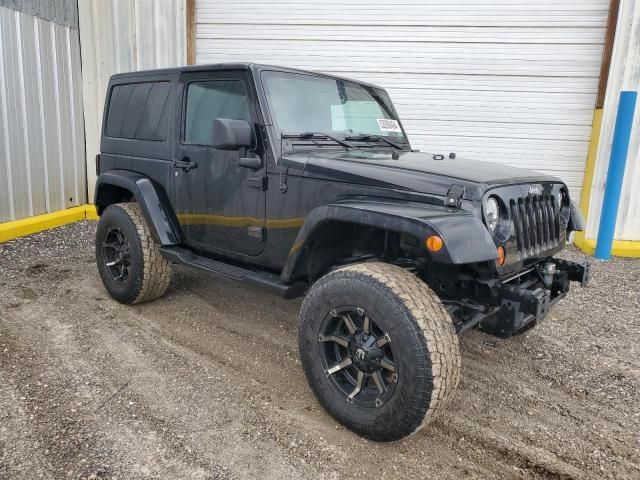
x=465 y=238
x=576 y=219
x=151 y=198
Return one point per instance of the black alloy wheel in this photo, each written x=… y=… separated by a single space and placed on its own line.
x=129 y=260
x=117 y=255
x=378 y=349
x=357 y=357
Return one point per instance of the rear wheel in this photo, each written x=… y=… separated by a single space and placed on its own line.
x=129 y=261
x=378 y=349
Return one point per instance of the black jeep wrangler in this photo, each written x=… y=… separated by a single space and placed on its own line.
x=305 y=184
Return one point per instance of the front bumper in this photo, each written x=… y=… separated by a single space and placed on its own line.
x=517 y=304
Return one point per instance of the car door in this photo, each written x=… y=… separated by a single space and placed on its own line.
x=220 y=204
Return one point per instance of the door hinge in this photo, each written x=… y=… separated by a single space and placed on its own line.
x=259 y=233
x=260 y=182
x=454 y=196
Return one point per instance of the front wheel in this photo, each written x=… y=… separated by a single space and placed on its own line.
x=379 y=350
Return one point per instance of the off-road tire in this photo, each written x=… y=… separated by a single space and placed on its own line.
x=149 y=273
x=425 y=347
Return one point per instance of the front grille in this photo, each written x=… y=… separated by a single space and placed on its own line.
x=536 y=223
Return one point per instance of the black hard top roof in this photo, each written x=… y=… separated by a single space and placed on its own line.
x=255 y=67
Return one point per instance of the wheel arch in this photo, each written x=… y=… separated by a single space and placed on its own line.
x=329 y=231
x=117 y=186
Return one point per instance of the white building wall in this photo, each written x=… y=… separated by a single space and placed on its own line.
x=508 y=81
x=119 y=36
x=624 y=74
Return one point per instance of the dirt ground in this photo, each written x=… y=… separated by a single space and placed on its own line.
x=206 y=383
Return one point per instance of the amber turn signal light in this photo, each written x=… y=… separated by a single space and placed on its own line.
x=502 y=256
x=434 y=243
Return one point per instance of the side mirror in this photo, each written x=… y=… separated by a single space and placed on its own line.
x=229 y=134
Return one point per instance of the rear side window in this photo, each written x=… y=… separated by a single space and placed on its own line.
x=213 y=99
x=139 y=111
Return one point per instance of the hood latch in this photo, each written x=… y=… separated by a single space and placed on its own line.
x=454 y=196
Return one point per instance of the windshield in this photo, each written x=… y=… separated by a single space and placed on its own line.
x=301 y=103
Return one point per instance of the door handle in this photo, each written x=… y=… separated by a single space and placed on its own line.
x=186 y=164
x=254 y=162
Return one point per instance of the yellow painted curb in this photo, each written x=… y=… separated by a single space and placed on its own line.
x=39 y=223
x=621 y=248
x=92 y=214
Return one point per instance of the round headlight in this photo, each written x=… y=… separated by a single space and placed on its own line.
x=492 y=213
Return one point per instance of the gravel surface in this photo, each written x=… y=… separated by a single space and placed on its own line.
x=206 y=383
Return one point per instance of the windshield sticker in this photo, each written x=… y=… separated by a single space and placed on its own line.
x=388 y=125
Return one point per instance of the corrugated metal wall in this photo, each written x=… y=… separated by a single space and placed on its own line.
x=42 y=162
x=624 y=75
x=121 y=36
x=509 y=81
x=62 y=12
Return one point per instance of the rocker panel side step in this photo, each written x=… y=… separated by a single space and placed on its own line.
x=266 y=281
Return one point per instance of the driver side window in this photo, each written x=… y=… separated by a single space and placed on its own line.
x=211 y=99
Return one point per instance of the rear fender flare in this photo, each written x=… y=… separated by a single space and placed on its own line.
x=152 y=199
x=465 y=238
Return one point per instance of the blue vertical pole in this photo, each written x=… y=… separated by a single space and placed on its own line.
x=615 y=175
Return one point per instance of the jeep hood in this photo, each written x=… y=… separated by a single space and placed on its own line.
x=412 y=171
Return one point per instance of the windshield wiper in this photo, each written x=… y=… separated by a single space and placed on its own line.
x=312 y=135
x=375 y=138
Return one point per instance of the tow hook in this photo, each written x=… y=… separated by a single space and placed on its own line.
x=576 y=272
x=547 y=272
x=553 y=277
